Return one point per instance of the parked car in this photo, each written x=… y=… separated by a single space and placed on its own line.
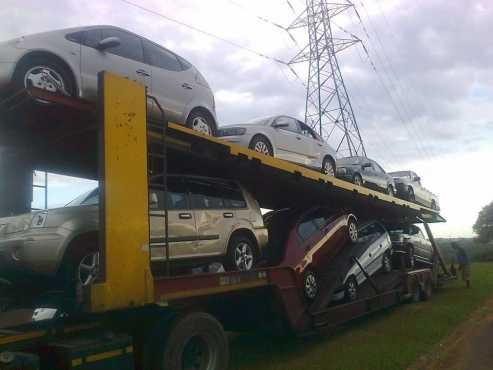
x=68 y=61
x=410 y=241
x=307 y=240
x=373 y=251
x=365 y=172
x=283 y=137
x=209 y=220
x=408 y=186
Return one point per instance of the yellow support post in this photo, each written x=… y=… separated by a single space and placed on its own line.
x=124 y=221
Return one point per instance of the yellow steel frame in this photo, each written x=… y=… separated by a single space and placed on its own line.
x=124 y=198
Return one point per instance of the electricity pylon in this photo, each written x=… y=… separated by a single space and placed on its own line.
x=328 y=107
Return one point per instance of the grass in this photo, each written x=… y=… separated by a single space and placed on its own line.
x=392 y=339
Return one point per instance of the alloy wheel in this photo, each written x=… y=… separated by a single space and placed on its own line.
x=358 y=181
x=311 y=286
x=328 y=168
x=352 y=290
x=261 y=147
x=243 y=257
x=45 y=78
x=353 y=231
x=88 y=268
x=200 y=124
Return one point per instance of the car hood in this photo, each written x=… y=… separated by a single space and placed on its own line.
x=13 y=224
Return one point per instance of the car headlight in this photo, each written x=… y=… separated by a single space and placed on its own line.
x=39 y=220
x=232 y=131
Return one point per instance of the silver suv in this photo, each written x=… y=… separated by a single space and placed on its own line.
x=68 y=61
x=209 y=220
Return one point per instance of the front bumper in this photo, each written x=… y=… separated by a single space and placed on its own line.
x=37 y=252
x=243 y=140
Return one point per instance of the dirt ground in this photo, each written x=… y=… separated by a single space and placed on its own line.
x=469 y=347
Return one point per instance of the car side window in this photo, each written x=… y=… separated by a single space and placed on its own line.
x=160 y=57
x=93 y=37
x=92 y=199
x=130 y=45
x=292 y=124
x=307 y=229
x=177 y=197
x=77 y=37
x=233 y=197
x=370 y=232
x=379 y=169
x=306 y=131
x=205 y=195
x=185 y=65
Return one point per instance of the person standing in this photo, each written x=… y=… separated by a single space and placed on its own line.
x=463 y=263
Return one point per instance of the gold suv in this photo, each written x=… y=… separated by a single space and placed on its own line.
x=209 y=220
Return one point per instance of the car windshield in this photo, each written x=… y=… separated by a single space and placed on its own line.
x=400 y=174
x=260 y=121
x=89 y=197
x=348 y=161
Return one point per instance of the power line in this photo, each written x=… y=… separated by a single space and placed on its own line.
x=392 y=76
x=207 y=33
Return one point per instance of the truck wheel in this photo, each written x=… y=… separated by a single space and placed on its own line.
x=194 y=341
x=241 y=254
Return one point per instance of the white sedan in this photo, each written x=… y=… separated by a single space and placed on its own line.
x=285 y=138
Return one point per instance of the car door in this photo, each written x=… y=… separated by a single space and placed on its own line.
x=312 y=149
x=182 y=232
x=214 y=222
x=380 y=175
x=287 y=140
x=173 y=85
x=426 y=247
x=125 y=59
x=368 y=174
x=378 y=248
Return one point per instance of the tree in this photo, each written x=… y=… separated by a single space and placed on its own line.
x=484 y=224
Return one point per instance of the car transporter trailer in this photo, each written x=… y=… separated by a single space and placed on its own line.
x=132 y=317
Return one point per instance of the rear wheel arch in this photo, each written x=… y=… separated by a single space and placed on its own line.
x=247 y=233
x=90 y=239
x=206 y=112
x=26 y=58
x=331 y=160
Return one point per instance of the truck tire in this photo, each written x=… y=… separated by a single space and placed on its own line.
x=194 y=341
x=427 y=291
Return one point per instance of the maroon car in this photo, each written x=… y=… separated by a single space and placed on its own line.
x=308 y=240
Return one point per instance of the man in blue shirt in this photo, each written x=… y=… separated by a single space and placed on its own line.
x=463 y=262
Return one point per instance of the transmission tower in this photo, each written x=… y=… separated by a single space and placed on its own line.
x=328 y=108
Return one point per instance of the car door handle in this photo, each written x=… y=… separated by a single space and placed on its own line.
x=298 y=138
x=319 y=144
x=184 y=216
x=187 y=86
x=143 y=72
x=228 y=215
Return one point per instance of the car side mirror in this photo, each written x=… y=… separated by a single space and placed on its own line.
x=109 y=42
x=280 y=125
x=153 y=201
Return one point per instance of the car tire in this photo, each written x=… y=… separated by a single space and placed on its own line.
x=201 y=121
x=262 y=145
x=352 y=227
x=387 y=263
x=351 y=289
x=411 y=258
x=241 y=255
x=310 y=285
x=328 y=167
x=427 y=291
x=44 y=73
x=411 y=196
x=357 y=180
x=390 y=191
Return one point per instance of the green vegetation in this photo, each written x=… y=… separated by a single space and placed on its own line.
x=391 y=340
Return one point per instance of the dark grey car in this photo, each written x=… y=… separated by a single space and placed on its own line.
x=408 y=186
x=365 y=172
x=410 y=241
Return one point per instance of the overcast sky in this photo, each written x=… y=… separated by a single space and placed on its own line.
x=428 y=109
